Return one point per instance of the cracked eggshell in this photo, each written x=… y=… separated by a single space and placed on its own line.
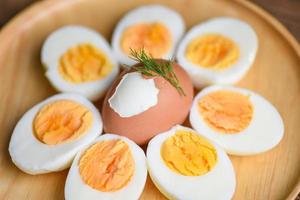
x=171 y=109
x=129 y=98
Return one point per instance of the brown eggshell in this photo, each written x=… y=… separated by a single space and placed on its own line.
x=171 y=109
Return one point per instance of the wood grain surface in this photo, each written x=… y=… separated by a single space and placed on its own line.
x=275 y=75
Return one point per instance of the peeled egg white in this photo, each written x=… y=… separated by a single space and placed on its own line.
x=235 y=29
x=76 y=189
x=264 y=132
x=130 y=97
x=148 y=14
x=65 y=38
x=35 y=157
x=219 y=183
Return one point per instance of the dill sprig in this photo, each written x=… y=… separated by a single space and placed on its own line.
x=150 y=67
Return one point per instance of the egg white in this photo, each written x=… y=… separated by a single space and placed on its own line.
x=76 y=189
x=65 y=38
x=235 y=29
x=34 y=157
x=148 y=14
x=264 y=132
x=134 y=95
x=219 y=183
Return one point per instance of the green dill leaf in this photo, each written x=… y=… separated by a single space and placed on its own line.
x=151 y=68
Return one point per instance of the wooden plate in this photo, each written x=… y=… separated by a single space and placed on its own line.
x=275 y=75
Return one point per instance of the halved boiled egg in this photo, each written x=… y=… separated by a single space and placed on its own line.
x=112 y=167
x=185 y=165
x=155 y=28
x=79 y=60
x=219 y=51
x=239 y=120
x=49 y=135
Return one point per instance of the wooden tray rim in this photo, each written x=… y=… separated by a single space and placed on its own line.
x=33 y=12
x=48 y=5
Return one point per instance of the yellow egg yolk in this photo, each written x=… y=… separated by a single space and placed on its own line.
x=84 y=63
x=226 y=111
x=213 y=51
x=155 y=38
x=188 y=154
x=62 y=121
x=107 y=165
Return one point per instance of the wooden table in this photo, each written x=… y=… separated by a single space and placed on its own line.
x=287 y=11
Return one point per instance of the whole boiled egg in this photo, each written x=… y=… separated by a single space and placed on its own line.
x=79 y=60
x=239 y=120
x=139 y=107
x=111 y=167
x=219 y=51
x=185 y=165
x=155 y=28
x=49 y=135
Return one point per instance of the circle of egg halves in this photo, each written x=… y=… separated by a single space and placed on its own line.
x=267 y=129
